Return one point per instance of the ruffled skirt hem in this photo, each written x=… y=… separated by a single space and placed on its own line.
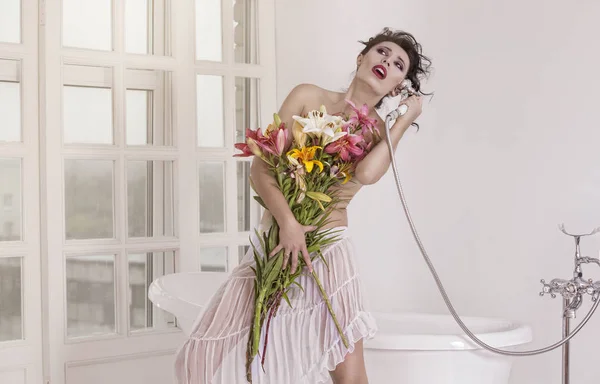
x=304 y=344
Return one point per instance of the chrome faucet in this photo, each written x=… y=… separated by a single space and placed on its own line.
x=572 y=292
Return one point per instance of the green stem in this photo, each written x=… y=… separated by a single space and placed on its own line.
x=255 y=335
x=257 y=322
x=324 y=294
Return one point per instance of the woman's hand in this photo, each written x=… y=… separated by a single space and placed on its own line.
x=415 y=107
x=292 y=241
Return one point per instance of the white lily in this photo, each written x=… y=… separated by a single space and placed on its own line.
x=319 y=124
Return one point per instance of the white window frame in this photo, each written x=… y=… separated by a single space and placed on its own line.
x=61 y=353
x=22 y=359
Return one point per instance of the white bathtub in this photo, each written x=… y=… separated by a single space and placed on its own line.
x=409 y=348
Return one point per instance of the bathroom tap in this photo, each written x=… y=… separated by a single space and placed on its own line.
x=571 y=289
x=576 y=287
x=572 y=292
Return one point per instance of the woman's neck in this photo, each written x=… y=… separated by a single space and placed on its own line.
x=359 y=94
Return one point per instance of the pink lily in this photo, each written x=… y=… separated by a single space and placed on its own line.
x=346 y=146
x=362 y=118
x=252 y=138
x=257 y=143
x=366 y=149
x=276 y=140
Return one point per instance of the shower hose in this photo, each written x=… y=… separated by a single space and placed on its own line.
x=441 y=287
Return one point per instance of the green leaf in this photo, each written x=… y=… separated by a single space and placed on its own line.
x=267 y=245
x=318 y=196
x=261 y=202
x=275 y=269
x=285 y=296
x=262 y=243
x=299 y=285
x=259 y=267
x=273 y=235
x=323 y=258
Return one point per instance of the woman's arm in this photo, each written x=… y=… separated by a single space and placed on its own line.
x=370 y=169
x=260 y=173
x=291 y=233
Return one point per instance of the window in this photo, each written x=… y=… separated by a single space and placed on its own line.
x=139 y=104
x=140 y=175
x=20 y=219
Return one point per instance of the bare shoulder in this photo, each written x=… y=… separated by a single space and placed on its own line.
x=307 y=92
x=301 y=98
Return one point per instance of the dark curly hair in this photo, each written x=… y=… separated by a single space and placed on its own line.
x=419 y=66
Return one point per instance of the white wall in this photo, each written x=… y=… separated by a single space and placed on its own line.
x=509 y=148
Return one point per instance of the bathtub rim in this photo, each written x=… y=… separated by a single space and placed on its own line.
x=513 y=334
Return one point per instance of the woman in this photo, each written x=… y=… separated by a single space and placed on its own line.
x=304 y=345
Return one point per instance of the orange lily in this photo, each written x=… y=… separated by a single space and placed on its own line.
x=307 y=156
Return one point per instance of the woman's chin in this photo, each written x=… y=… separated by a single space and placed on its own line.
x=375 y=84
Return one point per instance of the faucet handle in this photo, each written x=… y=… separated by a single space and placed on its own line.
x=567 y=288
x=595 y=290
x=546 y=289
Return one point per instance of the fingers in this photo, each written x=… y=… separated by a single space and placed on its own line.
x=294 y=260
x=286 y=258
x=307 y=259
x=275 y=250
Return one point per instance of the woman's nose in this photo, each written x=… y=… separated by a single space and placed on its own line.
x=384 y=61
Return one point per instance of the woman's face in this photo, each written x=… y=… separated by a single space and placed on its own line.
x=384 y=67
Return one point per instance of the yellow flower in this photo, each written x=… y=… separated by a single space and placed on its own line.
x=307 y=156
x=344 y=170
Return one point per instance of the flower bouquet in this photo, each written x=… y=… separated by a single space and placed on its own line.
x=324 y=153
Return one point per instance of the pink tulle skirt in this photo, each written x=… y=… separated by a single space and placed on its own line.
x=303 y=342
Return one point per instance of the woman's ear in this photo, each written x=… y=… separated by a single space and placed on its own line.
x=359 y=60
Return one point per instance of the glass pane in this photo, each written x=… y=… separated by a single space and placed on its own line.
x=89 y=199
x=11 y=297
x=10 y=200
x=212 y=197
x=213 y=259
x=87 y=24
x=242 y=250
x=87 y=116
x=209 y=109
x=137 y=124
x=247 y=112
x=138 y=25
x=10 y=110
x=10 y=99
x=245 y=31
x=144 y=268
x=209 y=36
x=150 y=198
x=10 y=21
x=149 y=107
x=147 y=27
x=245 y=200
x=91 y=295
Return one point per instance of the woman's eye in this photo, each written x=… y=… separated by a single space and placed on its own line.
x=382 y=51
x=399 y=66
